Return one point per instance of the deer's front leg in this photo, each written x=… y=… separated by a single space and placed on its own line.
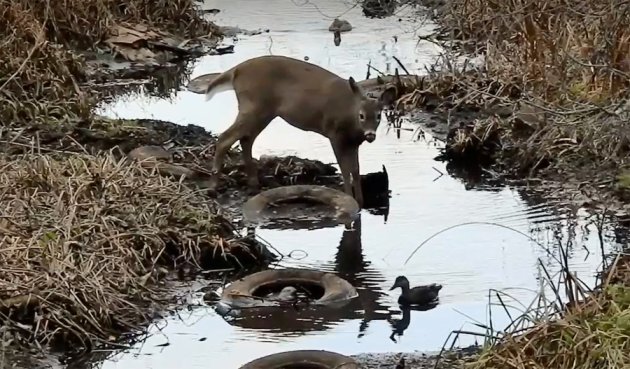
x=346 y=160
x=356 y=176
x=342 y=160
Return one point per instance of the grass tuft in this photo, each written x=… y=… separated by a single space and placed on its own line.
x=85 y=240
x=41 y=73
x=555 y=73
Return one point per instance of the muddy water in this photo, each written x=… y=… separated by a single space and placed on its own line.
x=468 y=260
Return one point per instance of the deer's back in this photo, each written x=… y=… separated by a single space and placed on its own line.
x=302 y=93
x=280 y=75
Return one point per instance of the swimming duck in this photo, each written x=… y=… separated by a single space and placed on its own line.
x=419 y=295
x=286 y=294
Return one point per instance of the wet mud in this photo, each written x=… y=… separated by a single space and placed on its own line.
x=450 y=359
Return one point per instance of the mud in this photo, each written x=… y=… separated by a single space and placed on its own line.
x=456 y=358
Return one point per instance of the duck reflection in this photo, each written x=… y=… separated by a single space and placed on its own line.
x=400 y=325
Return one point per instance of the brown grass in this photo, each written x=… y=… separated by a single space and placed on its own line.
x=40 y=72
x=567 y=59
x=593 y=332
x=86 y=238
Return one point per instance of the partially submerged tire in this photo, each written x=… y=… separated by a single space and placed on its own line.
x=345 y=206
x=244 y=293
x=311 y=359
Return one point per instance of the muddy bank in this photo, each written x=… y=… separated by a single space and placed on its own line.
x=537 y=128
x=456 y=358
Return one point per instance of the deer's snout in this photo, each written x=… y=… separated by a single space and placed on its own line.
x=370 y=136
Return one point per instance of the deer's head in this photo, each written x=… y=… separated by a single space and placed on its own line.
x=369 y=109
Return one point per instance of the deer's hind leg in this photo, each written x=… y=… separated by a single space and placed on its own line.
x=255 y=127
x=245 y=129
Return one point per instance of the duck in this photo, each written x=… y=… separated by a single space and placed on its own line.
x=288 y=293
x=420 y=295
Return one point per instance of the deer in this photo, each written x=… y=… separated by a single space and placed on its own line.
x=307 y=97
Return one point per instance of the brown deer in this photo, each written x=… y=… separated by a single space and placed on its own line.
x=309 y=98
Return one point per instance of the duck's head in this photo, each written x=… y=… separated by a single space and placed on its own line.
x=401 y=281
x=287 y=292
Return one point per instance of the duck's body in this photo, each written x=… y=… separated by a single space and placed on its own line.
x=286 y=294
x=420 y=295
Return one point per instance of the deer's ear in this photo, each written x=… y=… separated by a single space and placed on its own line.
x=353 y=86
x=388 y=96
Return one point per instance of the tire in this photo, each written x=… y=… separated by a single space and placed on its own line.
x=240 y=293
x=346 y=207
x=312 y=359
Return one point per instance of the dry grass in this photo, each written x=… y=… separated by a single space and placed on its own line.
x=40 y=75
x=84 y=239
x=567 y=59
x=590 y=331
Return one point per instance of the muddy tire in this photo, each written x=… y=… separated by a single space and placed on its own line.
x=313 y=359
x=241 y=293
x=346 y=207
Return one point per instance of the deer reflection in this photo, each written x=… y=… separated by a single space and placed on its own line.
x=351 y=265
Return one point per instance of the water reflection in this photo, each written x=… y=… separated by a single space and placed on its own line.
x=160 y=84
x=400 y=325
x=350 y=264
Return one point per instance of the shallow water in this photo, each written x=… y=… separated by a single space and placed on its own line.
x=468 y=260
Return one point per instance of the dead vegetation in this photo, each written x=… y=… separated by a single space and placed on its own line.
x=86 y=237
x=43 y=78
x=555 y=74
x=586 y=329
x=85 y=240
x=541 y=89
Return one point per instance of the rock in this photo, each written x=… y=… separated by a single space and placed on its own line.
x=152 y=156
x=340 y=25
x=150 y=151
x=222 y=49
x=528 y=115
x=378 y=8
x=231 y=31
x=286 y=295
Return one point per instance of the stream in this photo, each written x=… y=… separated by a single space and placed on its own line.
x=468 y=260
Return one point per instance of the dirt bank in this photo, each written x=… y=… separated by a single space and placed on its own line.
x=453 y=359
x=542 y=96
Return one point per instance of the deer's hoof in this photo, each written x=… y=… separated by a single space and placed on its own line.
x=359 y=201
x=253 y=184
x=253 y=190
x=211 y=192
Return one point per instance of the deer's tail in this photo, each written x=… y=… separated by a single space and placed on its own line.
x=223 y=82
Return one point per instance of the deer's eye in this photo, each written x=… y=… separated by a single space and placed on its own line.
x=361 y=116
